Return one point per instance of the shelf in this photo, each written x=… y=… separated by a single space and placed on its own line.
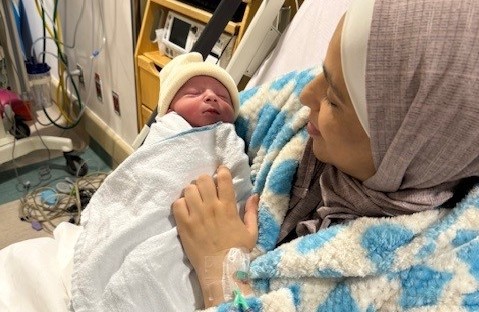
x=196 y=13
x=158 y=58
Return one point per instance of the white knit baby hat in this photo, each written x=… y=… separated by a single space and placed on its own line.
x=185 y=66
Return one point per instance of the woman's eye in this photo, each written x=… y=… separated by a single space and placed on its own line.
x=328 y=98
x=328 y=101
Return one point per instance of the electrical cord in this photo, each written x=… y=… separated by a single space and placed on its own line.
x=41 y=9
x=55 y=35
x=44 y=35
x=97 y=51
x=81 y=106
x=62 y=97
x=45 y=207
x=43 y=171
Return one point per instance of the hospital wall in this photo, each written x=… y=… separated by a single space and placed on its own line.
x=97 y=36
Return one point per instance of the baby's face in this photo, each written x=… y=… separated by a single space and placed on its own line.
x=202 y=101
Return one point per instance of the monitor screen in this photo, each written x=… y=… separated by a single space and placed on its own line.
x=179 y=32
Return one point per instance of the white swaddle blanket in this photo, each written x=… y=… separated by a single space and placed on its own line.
x=128 y=257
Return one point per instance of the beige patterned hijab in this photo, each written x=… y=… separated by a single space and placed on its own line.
x=420 y=88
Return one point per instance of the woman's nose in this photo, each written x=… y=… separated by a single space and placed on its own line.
x=307 y=94
x=313 y=93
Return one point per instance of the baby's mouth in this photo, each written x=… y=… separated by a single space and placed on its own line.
x=212 y=111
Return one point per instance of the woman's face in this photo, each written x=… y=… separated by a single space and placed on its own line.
x=338 y=137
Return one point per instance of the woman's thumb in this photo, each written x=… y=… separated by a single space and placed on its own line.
x=251 y=215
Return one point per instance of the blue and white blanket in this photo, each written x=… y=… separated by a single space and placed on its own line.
x=428 y=261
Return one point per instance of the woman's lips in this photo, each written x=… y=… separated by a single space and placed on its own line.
x=312 y=130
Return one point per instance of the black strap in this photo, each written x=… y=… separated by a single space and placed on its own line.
x=222 y=15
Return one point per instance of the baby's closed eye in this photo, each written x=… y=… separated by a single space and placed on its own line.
x=192 y=91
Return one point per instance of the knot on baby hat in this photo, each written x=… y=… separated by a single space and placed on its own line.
x=183 y=67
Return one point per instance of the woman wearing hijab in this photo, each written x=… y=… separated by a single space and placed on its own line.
x=393 y=134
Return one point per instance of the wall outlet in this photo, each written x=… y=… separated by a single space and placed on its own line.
x=116 y=103
x=98 y=87
x=81 y=78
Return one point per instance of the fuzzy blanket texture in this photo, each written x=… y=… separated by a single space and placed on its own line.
x=129 y=257
x=428 y=261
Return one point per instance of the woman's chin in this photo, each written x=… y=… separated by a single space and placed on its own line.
x=318 y=151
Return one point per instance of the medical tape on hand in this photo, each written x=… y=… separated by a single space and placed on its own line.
x=235 y=270
x=213 y=272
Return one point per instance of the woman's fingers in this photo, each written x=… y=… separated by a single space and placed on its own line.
x=226 y=191
x=205 y=198
x=180 y=211
x=208 y=221
x=207 y=189
x=193 y=199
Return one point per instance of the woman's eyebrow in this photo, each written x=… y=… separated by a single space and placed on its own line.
x=333 y=86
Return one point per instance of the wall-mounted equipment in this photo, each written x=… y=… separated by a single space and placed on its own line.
x=181 y=33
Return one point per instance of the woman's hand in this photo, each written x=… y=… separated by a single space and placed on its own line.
x=209 y=225
x=208 y=221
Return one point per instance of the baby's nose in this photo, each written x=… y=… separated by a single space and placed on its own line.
x=210 y=96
